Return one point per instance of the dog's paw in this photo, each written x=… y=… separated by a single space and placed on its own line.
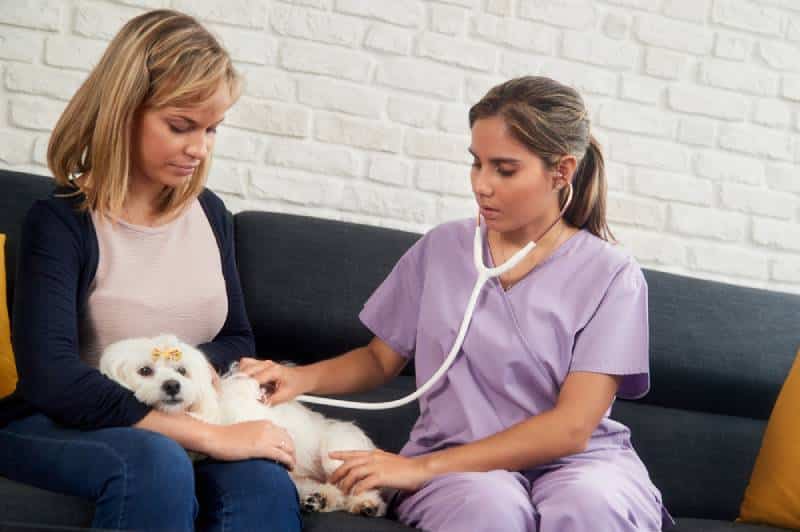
x=369 y=504
x=314 y=502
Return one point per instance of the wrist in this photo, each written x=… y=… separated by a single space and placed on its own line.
x=429 y=463
x=207 y=437
x=310 y=378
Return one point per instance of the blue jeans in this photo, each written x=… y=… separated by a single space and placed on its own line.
x=145 y=481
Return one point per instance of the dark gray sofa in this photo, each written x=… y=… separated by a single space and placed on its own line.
x=719 y=354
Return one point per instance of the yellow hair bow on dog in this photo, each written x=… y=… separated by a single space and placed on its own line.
x=166 y=353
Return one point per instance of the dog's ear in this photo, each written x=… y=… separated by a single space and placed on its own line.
x=115 y=361
x=206 y=406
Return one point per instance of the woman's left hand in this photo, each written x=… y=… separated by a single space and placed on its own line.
x=364 y=470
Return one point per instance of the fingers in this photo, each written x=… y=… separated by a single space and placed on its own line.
x=246 y=362
x=287 y=459
x=280 y=395
x=344 y=469
x=367 y=483
x=355 y=475
x=347 y=455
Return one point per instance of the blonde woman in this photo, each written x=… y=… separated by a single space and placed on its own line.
x=133 y=245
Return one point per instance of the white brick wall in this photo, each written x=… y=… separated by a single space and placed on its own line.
x=357 y=109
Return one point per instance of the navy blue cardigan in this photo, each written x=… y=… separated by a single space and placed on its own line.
x=58 y=259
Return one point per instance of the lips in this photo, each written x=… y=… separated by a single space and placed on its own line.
x=489 y=212
x=184 y=169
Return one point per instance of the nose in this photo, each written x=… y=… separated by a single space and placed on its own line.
x=198 y=146
x=171 y=387
x=480 y=183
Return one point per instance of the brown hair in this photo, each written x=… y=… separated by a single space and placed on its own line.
x=551 y=120
x=160 y=58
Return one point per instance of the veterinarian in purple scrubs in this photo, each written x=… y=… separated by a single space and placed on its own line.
x=517 y=434
x=132 y=244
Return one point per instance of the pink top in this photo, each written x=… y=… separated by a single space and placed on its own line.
x=153 y=280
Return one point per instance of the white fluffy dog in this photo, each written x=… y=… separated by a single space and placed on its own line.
x=174 y=377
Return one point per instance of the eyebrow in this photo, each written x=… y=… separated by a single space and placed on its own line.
x=193 y=123
x=497 y=160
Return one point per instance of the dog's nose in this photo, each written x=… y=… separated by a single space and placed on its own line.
x=171 y=387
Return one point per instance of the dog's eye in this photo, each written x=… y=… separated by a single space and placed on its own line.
x=182 y=371
x=145 y=371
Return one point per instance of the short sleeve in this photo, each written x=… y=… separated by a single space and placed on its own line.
x=392 y=311
x=615 y=341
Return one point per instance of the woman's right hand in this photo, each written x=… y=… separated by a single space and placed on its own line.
x=282 y=383
x=252 y=439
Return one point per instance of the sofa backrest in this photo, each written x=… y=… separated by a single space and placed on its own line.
x=302 y=274
x=18 y=191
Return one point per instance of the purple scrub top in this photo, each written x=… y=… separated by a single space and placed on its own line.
x=584 y=308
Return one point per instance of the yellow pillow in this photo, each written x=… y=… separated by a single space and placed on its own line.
x=773 y=495
x=8 y=370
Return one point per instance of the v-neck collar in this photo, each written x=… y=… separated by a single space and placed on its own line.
x=560 y=250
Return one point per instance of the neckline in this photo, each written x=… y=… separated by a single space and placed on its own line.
x=560 y=250
x=153 y=230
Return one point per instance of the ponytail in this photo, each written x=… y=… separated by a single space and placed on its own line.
x=588 y=207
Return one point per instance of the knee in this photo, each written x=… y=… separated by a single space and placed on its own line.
x=258 y=482
x=155 y=460
x=585 y=502
x=493 y=498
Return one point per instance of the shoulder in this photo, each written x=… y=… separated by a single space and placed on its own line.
x=216 y=211
x=444 y=239
x=58 y=213
x=609 y=261
x=452 y=231
x=212 y=203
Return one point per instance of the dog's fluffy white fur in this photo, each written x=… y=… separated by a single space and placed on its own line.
x=185 y=385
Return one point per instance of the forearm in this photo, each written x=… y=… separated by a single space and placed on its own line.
x=355 y=371
x=189 y=432
x=538 y=440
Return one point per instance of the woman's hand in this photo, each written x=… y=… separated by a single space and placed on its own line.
x=282 y=383
x=364 y=470
x=251 y=439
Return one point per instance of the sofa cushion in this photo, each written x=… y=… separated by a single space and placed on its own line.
x=773 y=495
x=716 y=347
x=19 y=192
x=701 y=462
x=306 y=279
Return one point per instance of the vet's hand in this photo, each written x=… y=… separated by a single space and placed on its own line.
x=253 y=439
x=365 y=470
x=282 y=383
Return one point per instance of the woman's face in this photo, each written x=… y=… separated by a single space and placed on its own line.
x=512 y=185
x=170 y=143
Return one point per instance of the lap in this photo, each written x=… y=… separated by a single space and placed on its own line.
x=610 y=488
x=40 y=452
x=477 y=501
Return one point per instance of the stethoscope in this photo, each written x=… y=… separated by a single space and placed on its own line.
x=484 y=274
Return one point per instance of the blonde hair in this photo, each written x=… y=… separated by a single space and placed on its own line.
x=160 y=58
x=550 y=119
